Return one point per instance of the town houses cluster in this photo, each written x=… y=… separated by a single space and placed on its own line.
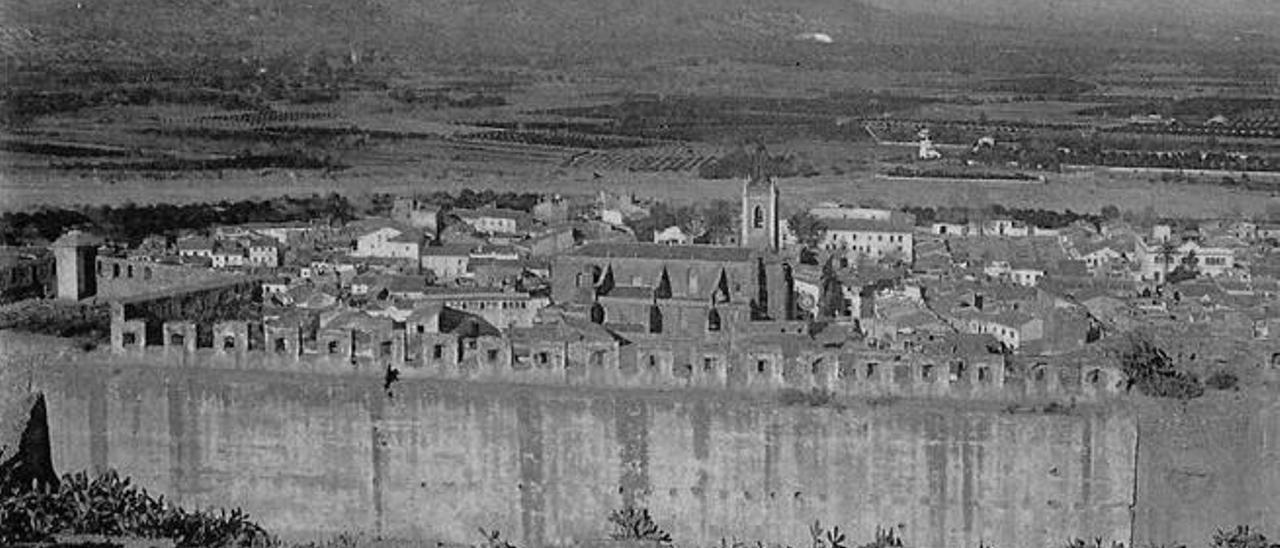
x=868 y=279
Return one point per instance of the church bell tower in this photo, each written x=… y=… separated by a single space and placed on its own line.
x=760 y=226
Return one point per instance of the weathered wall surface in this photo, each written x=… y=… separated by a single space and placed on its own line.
x=1209 y=464
x=118 y=277
x=308 y=455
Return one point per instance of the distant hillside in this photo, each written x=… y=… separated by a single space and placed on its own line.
x=1203 y=18
x=546 y=32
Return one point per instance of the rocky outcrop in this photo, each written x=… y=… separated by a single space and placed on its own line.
x=24 y=426
x=25 y=459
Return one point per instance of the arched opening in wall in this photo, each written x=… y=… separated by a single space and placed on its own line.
x=713 y=320
x=115 y=270
x=229 y=342
x=762 y=289
x=757 y=217
x=281 y=345
x=130 y=270
x=595 y=274
x=957 y=371
x=333 y=347
x=204 y=335
x=663 y=291
x=604 y=283
x=653 y=361
x=597 y=313
x=655 y=319
x=721 y=293
x=984 y=374
x=762 y=366
x=684 y=371
x=1038 y=372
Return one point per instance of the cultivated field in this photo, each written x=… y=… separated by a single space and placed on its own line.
x=1083 y=192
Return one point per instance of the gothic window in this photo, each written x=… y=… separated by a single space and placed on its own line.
x=663 y=291
x=721 y=294
x=603 y=281
x=713 y=320
x=655 y=319
x=597 y=313
x=757 y=217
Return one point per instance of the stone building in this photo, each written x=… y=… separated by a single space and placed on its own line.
x=658 y=288
x=869 y=238
x=378 y=238
x=25 y=273
x=74 y=255
x=417 y=213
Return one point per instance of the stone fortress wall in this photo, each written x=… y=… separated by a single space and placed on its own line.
x=544 y=462
x=860 y=373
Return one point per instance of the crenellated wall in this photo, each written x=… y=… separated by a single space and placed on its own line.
x=313 y=454
x=542 y=450
x=491 y=359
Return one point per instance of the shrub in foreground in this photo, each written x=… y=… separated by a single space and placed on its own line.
x=636 y=524
x=110 y=505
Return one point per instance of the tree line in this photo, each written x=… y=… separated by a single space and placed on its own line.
x=131 y=223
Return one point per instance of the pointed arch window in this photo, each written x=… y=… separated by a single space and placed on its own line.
x=721 y=294
x=713 y=321
x=597 y=313
x=655 y=319
x=757 y=217
x=604 y=282
x=663 y=291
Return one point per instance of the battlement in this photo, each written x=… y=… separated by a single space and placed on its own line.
x=756 y=369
